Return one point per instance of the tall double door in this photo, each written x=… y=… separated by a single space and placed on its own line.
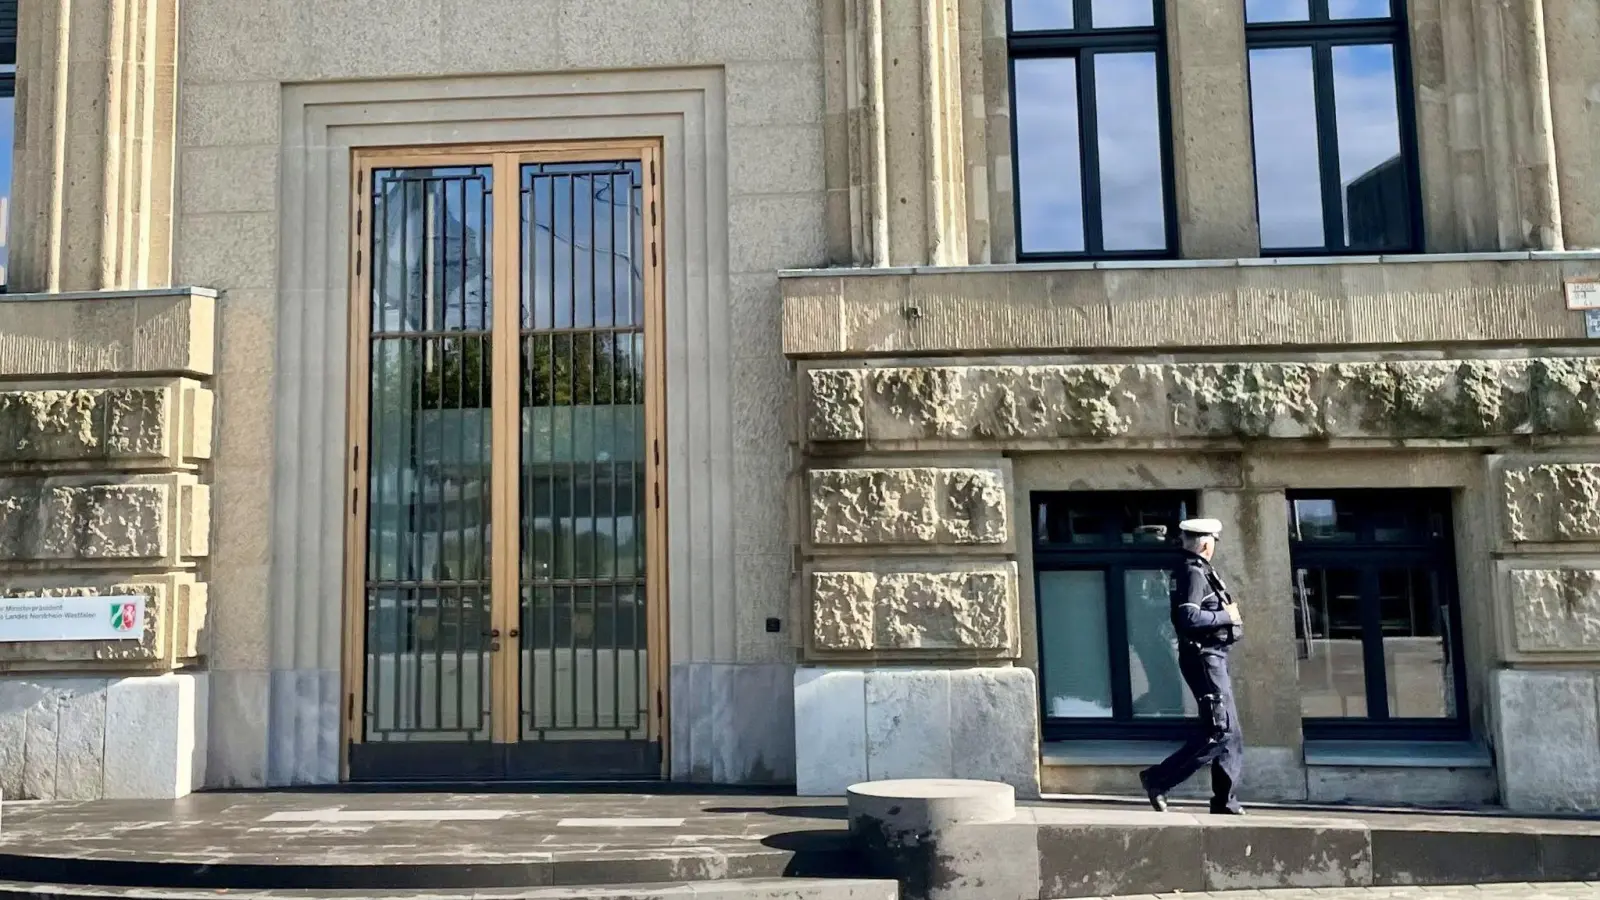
x=504 y=606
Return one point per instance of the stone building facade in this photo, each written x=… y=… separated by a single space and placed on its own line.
x=878 y=344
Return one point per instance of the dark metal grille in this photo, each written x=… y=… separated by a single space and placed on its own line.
x=428 y=488
x=584 y=665
x=8 y=32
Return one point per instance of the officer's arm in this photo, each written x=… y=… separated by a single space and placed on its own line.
x=1189 y=615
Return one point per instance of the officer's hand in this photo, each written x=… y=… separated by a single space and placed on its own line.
x=1235 y=615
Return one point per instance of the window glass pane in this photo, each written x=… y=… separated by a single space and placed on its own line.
x=1074 y=661
x=1283 y=111
x=1048 y=164
x=1276 y=11
x=1322 y=520
x=1122 y=14
x=1416 y=645
x=1372 y=172
x=1359 y=9
x=1041 y=15
x=1132 y=199
x=1327 y=630
x=1157 y=686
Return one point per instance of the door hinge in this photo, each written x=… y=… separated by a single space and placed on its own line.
x=652 y=172
x=350 y=707
x=355 y=498
x=657 y=487
x=655 y=448
x=658 y=703
x=359 y=212
x=355 y=460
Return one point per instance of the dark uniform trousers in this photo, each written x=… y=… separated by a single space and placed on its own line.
x=1221 y=742
x=1206 y=632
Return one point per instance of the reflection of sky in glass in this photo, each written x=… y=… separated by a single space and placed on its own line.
x=1358 y=9
x=1283 y=111
x=1050 y=191
x=1131 y=201
x=1041 y=15
x=1276 y=10
x=1366 y=110
x=1122 y=14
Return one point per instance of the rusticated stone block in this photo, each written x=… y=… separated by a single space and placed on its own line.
x=61 y=519
x=1247 y=400
x=72 y=425
x=1556 y=610
x=1375 y=399
x=962 y=609
x=908 y=506
x=1553 y=503
x=174 y=614
x=836 y=406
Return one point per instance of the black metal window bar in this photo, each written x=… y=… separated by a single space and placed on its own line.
x=1107 y=654
x=1091 y=129
x=1334 y=125
x=1377 y=619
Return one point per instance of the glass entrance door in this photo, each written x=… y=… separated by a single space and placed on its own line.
x=505 y=375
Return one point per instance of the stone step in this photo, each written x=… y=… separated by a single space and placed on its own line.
x=722 y=889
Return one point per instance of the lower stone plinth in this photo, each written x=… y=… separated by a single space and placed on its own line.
x=1548 y=740
x=84 y=738
x=856 y=725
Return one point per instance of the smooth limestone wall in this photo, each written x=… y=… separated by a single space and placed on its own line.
x=272 y=96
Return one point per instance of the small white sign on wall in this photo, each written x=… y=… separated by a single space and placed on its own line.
x=108 y=618
x=1583 y=293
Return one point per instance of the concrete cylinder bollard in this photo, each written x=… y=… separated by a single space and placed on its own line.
x=898 y=826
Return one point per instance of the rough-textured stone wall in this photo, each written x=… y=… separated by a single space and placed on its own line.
x=1552 y=503
x=1417 y=399
x=105 y=443
x=934 y=609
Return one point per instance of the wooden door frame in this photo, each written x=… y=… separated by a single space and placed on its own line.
x=505 y=448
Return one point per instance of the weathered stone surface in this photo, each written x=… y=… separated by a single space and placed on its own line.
x=1553 y=503
x=970 y=609
x=45 y=335
x=86 y=519
x=838 y=403
x=1373 y=399
x=908 y=506
x=73 y=425
x=39 y=520
x=1548 y=740
x=1556 y=609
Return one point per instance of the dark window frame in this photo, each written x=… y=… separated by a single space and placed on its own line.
x=1113 y=558
x=1321 y=34
x=1082 y=43
x=1368 y=556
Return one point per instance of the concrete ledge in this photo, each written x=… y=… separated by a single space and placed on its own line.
x=171 y=332
x=726 y=889
x=1055 y=852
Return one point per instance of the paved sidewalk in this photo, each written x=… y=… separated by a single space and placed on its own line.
x=1590 y=891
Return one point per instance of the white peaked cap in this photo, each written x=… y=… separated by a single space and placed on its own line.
x=1206 y=527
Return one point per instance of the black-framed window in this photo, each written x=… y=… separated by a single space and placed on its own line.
x=1334 y=127
x=1108 y=658
x=1377 y=621
x=8 y=121
x=1091 y=129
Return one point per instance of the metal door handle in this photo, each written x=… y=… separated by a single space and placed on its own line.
x=494 y=646
x=493 y=632
x=513 y=632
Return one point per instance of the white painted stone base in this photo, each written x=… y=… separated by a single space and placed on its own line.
x=1547 y=737
x=855 y=725
x=73 y=738
x=732 y=723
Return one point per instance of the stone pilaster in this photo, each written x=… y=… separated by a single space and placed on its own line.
x=96 y=102
x=897 y=130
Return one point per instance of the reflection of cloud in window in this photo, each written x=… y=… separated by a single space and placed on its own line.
x=1040 y=15
x=1130 y=152
x=1358 y=9
x=1283 y=110
x=1049 y=187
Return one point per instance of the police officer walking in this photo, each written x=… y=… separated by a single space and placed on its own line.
x=1208 y=624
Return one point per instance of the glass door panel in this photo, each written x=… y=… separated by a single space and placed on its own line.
x=584 y=660
x=427 y=573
